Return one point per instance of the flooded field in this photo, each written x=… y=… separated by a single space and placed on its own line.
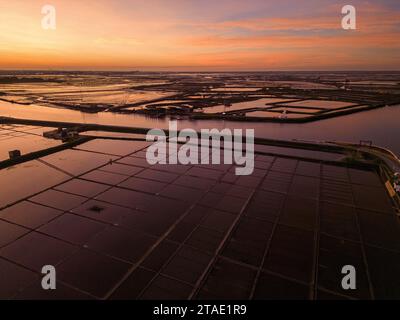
x=235 y=89
x=320 y=104
x=27 y=139
x=130 y=228
x=277 y=114
x=260 y=103
x=203 y=95
x=79 y=91
x=297 y=109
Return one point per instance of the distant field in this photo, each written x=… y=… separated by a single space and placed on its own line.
x=302 y=95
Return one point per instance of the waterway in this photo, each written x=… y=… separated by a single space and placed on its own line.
x=381 y=126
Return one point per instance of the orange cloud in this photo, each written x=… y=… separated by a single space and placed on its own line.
x=94 y=34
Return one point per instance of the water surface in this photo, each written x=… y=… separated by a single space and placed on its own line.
x=381 y=126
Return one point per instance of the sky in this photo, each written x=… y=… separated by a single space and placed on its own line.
x=200 y=35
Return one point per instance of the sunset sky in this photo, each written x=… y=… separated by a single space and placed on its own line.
x=200 y=35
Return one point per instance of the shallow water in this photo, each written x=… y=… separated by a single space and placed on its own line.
x=26 y=144
x=26 y=179
x=382 y=126
x=261 y=103
x=323 y=104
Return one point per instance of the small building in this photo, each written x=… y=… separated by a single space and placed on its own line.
x=13 y=154
x=62 y=134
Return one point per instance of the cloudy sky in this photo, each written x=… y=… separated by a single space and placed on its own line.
x=200 y=35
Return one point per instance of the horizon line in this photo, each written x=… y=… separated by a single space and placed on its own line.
x=195 y=71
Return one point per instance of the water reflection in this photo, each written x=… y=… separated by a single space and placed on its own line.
x=380 y=125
